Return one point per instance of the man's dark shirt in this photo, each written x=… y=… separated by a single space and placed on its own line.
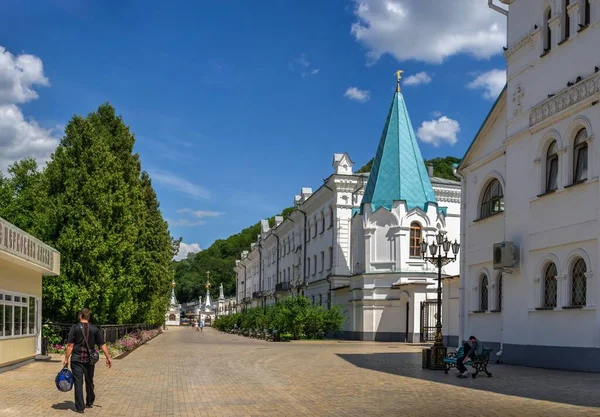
x=93 y=335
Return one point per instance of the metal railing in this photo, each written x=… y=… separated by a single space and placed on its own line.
x=111 y=332
x=282 y=286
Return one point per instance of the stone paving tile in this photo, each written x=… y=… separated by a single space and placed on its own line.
x=187 y=373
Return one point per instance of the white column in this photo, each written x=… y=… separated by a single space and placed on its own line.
x=563 y=293
x=538 y=300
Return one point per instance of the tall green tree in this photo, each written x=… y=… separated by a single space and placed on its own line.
x=97 y=211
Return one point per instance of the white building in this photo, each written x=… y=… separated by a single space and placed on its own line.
x=173 y=314
x=354 y=242
x=531 y=178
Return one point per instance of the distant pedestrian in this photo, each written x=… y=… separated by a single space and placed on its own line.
x=471 y=349
x=201 y=324
x=81 y=342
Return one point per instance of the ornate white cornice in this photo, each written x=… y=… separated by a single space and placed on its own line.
x=522 y=43
x=447 y=195
x=565 y=99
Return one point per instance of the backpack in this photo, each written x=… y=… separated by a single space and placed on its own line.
x=64 y=380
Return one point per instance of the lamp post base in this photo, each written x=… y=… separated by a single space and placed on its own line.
x=433 y=358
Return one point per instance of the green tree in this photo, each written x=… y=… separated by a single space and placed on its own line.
x=442 y=167
x=21 y=196
x=101 y=213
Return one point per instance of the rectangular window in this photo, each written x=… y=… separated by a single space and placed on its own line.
x=8 y=319
x=17 y=313
x=31 y=315
x=1 y=320
x=322 y=261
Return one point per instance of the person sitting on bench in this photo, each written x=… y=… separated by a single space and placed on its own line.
x=471 y=349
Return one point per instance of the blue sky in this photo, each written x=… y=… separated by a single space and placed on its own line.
x=236 y=105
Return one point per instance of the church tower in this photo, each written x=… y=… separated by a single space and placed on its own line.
x=390 y=279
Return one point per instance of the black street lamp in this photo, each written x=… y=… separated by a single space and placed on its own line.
x=435 y=257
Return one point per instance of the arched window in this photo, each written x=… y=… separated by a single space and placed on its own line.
x=330 y=257
x=578 y=283
x=493 y=199
x=580 y=156
x=322 y=221
x=483 y=294
x=316 y=227
x=330 y=216
x=499 y=292
x=550 y=286
x=322 y=261
x=289 y=277
x=172 y=317
x=552 y=168
x=307 y=266
x=567 y=21
x=548 y=40
x=315 y=263
x=416 y=233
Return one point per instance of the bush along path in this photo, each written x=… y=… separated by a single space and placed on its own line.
x=294 y=318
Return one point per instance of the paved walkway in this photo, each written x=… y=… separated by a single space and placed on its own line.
x=186 y=373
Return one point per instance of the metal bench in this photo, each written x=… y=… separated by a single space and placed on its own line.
x=478 y=363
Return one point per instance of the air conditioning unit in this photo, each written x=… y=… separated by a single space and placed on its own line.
x=506 y=255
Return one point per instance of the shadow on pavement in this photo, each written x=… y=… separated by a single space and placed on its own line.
x=65 y=405
x=575 y=388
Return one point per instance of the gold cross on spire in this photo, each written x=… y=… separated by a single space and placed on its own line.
x=207 y=280
x=398 y=77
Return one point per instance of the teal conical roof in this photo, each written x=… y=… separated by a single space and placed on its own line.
x=398 y=172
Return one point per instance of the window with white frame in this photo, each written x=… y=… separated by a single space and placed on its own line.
x=578 y=283
x=580 y=156
x=483 y=293
x=315 y=264
x=322 y=261
x=566 y=21
x=17 y=315
x=492 y=200
x=550 y=286
x=322 y=221
x=552 y=167
x=330 y=257
x=587 y=9
x=330 y=216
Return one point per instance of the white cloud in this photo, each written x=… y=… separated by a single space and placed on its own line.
x=185 y=249
x=302 y=64
x=18 y=75
x=21 y=137
x=436 y=132
x=179 y=184
x=436 y=114
x=428 y=30
x=491 y=82
x=357 y=94
x=199 y=214
x=417 y=79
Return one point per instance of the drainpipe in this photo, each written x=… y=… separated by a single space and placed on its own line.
x=499 y=9
x=304 y=251
x=463 y=259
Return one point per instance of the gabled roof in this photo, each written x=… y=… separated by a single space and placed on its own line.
x=464 y=158
x=398 y=172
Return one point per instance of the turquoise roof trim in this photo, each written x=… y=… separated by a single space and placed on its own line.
x=398 y=172
x=443 y=210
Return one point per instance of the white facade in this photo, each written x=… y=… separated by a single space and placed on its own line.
x=335 y=255
x=537 y=148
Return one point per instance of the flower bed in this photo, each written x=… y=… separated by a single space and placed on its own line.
x=121 y=347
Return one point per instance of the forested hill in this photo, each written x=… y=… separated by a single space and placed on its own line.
x=220 y=257
x=442 y=167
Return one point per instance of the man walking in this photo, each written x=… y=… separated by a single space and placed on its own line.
x=81 y=342
x=471 y=349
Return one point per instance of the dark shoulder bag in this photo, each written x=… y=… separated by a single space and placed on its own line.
x=94 y=355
